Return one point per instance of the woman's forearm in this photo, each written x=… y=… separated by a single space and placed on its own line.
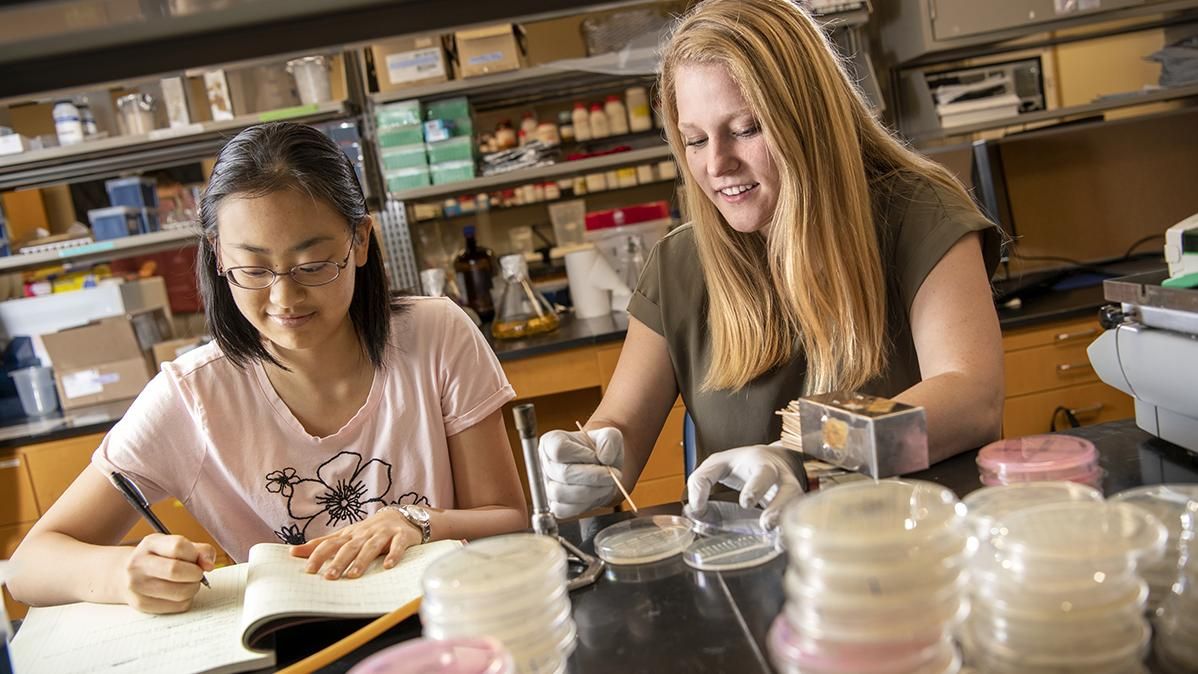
x=963 y=412
x=53 y=568
x=476 y=522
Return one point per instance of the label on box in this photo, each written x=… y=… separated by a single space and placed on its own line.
x=82 y=383
x=485 y=58
x=419 y=64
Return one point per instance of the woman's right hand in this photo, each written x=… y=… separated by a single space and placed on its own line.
x=162 y=574
x=576 y=475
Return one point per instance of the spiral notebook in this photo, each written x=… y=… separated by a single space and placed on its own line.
x=226 y=628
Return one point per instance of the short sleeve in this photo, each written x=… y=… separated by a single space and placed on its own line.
x=473 y=385
x=158 y=444
x=645 y=304
x=934 y=220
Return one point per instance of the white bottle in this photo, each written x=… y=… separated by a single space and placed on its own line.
x=89 y=120
x=582 y=122
x=598 y=122
x=639 y=117
x=68 y=123
x=617 y=116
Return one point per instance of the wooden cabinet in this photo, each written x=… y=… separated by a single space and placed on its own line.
x=1047 y=368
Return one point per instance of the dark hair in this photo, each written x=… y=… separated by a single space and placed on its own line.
x=278 y=156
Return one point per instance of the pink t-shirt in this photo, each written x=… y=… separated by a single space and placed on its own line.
x=219 y=438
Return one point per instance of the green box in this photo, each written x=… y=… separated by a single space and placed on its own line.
x=448 y=108
x=452 y=172
x=401 y=113
x=452 y=150
x=404 y=156
x=407 y=179
x=397 y=136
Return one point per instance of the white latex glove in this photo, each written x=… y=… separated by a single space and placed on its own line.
x=763 y=474
x=575 y=477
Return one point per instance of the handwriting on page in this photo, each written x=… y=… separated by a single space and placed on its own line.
x=113 y=638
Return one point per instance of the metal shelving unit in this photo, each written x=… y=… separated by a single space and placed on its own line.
x=102 y=251
x=537 y=173
x=157 y=149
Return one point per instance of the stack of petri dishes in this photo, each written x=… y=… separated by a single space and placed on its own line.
x=875 y=582
x=1040 y=458
x=1176 y=506
x=1174 y=581
x=511 y=588
x=1060 y=592
x=481 y=655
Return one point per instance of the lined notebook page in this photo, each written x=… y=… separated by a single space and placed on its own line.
x=116 y=638
x=278 y=587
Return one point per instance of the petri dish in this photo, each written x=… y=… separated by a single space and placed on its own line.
x=481 y=655
x=500 y=568
x=1037 y=458
x=724 y=517
x=730 y=551
x=989 y=505
x=644 y=539
x=1055 y=538
x=793 y=651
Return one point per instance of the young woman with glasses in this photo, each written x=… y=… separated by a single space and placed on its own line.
x=323 y=415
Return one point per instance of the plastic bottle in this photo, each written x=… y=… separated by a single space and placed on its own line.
x=528 y=124
x=89 y=120
x=582 y=122
x=565 y=126
x=68 y=124
x=505 y=136
x=475 y=268
x=617 y=116
x=599 y=122
x=639 y=116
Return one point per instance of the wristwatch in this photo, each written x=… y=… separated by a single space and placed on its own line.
x=417 y=516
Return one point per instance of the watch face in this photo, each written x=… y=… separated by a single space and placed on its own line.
x=419 y=514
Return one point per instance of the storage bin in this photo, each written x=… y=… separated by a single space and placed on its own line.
x=407 y=179
x=403 y=156
x=452 y=172
x=147 y=220
x=114 y=222
x=452 y=150
x=396 y=136
x=401 y=113
x=137 y=192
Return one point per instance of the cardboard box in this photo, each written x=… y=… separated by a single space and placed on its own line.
x=172 y=349
x=408 y=61
x=554 y=40
x=97 y=363
x=488 y=50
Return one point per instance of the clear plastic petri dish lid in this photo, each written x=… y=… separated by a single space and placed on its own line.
x=988 y=505
x=1083 y=655
x=730 y=551
x=893 y=515
x=1083 y=598
x=1084 y=535
x=791 y=651
x=470 y=655
x=1037 y=457
x=535 y=602
x=497 y=566
x=644 y=539
x=879 y=577
x=1175 y=505
x=726 y=517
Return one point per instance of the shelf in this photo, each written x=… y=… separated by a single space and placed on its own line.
x=102 y=251
x=475 y=215
x=537 y=173
x=1103 y=104
x=159 y=148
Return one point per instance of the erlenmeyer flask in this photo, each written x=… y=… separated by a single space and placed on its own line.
x=523 y=311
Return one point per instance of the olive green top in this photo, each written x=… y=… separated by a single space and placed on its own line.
x=917 y=224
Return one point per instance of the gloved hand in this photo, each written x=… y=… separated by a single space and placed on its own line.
x=763 y=474
x=575 y=477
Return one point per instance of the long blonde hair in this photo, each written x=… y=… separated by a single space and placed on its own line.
x=816 y=280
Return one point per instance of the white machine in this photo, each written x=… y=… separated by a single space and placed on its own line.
x=1181 y=252
x=1150 y=352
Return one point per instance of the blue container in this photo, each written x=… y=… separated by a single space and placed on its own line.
x=147 y=220
x=5 y=251
x=114 y=222
x=140 y=192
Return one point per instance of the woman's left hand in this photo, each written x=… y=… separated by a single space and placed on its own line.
x=349 y=551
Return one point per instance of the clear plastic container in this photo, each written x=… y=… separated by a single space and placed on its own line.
x=989 y=505
x=35 y=388
x=1086 y=536
x=924 y=618
x=644 y=539
x=725 y=517
x=311 y=75
x=1037 y=458
x=1176 y=506
x=1051 y=653
x=791 y=651
x=730 y=551
x=479 y=655
x=1082 y=596
x=500 y=566
x=880 y=577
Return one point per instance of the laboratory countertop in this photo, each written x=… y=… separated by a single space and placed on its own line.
x=668 y=617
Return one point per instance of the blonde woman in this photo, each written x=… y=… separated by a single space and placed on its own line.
x=829 y=257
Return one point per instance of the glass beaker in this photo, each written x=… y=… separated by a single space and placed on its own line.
x=523 y=311
x=137 y=113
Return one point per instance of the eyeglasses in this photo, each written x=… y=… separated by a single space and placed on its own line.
x=309 y=274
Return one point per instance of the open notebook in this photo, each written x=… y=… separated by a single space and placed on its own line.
x=246 y=603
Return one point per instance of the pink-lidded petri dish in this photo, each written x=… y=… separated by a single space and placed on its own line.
x=795 y=653
x=1037 y=458
x=476 y=655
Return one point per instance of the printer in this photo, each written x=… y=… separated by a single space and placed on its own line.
x=1150 y=352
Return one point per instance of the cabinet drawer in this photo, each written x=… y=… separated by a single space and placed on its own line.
x=10 y=538
x=1082 y=331
x=1048 y=367
x=656 y=492
x=1092 y=404
x=53 y=466
x=666 y=458
x=17 y=502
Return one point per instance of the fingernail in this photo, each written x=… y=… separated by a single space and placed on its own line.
x=331 y=574
x=387 y=563
x=353 y=572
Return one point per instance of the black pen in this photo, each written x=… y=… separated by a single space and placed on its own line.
x=138 y=500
